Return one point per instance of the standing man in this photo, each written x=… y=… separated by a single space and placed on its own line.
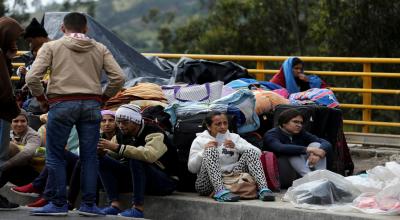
x=10 y=30
x=74 y=97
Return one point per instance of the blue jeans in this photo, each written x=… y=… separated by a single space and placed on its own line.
x=41 y=182
x=85 y=115
x=146 y=177
x=4 y=141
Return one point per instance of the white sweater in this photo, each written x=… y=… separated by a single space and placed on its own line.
x=228 y=157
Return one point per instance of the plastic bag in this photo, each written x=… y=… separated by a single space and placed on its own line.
x=321 y=187
x=319 y=192
x=386 y=202
x=365 y=184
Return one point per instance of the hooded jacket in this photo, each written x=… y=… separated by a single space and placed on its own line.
x=228 y=157
x=76 y=66
x=9 y=32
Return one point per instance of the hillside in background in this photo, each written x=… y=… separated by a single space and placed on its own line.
x=137 y=21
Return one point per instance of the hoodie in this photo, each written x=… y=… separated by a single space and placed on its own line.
x=9 y=32
x=76 y=65
x=229 y=157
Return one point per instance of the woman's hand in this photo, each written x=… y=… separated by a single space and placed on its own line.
x=313 y=159
x=211 y=144
x=229 y=144
x=303 y=77
x=317 y=151
x=106 y=144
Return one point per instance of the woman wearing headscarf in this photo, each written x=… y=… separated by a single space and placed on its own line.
x=10 y=30
x=291 y=76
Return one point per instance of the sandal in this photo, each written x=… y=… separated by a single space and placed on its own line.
x=266 y=195
x=226 y=196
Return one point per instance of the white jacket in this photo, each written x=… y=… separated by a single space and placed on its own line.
x=228 y=157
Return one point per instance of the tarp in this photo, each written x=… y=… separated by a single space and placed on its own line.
x=135 y=66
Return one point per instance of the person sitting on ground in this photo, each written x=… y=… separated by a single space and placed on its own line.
x=23 y=145
x=216 y=151
x=37 y=187
x=305 y=152
x=291 y=76
x=141 y=150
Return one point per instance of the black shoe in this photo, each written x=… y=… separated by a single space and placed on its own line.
x=5 y=205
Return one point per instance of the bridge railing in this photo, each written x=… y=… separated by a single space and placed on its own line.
x=366 y=76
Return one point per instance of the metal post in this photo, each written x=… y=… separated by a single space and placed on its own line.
x=367 y=97
x=260 y=66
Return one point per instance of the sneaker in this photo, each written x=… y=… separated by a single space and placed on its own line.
x=266 y=195
x=111 y=210
x=51 y=210
x=40 y=202
x=6 y=205
x=133 y=213
x=27 y=190
x=226 y=196
x=90 y=210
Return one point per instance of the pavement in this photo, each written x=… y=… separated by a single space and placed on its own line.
x=191 y=206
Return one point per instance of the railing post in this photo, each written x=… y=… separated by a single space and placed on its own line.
x=260 y=66
x=367 y=97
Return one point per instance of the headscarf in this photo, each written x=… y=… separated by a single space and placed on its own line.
x=290 y=81
x=107 y=112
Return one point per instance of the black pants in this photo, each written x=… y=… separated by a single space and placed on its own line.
x=18 y=175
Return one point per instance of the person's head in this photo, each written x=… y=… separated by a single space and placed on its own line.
x=129 y=119
x=291 y=120
x=19 y=124
x=10 y=30
x=297 y=66
x=216 y=122
x=74 y=22
x=35 y=35
x=107 y=124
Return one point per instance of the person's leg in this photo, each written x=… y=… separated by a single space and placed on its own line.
x=299 y=163
x=40 y=181
x=210 y=172
x=88 y=128
x=60 y=121
x=157 y=182
x=110 y=172
x=74 y=184
x=250 y=162
x=4 y=141
x=21 y=175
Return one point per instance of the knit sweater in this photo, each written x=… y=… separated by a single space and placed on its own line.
x=30 y=142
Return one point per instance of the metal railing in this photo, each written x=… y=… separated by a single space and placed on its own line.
x=367 y=77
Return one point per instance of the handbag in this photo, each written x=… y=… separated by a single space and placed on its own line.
x=184 y=93
x=242 y=184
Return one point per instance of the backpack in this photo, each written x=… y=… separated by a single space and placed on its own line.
x=269 y=164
